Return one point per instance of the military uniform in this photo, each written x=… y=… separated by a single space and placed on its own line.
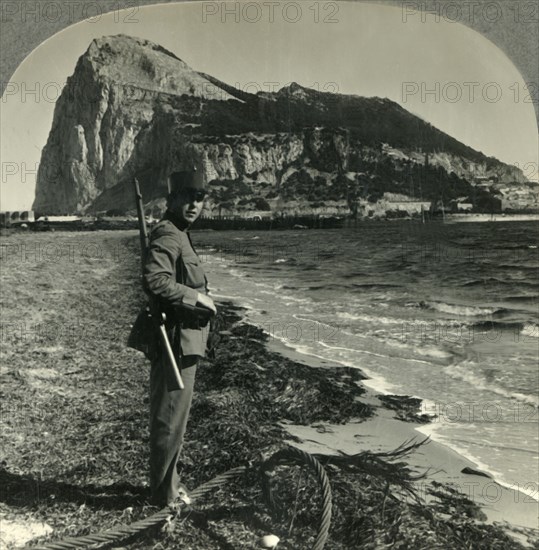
x=173 y=274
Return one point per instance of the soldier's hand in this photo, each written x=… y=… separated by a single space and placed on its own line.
x=205 y=301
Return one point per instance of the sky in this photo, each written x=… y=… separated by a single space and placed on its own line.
x=444 y=72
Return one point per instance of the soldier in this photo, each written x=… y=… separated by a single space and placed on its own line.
x=174 y=275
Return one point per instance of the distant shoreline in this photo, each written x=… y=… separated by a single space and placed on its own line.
x=288 y=223
x=452 y=218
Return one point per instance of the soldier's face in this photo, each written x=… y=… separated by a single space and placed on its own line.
x=187 y=204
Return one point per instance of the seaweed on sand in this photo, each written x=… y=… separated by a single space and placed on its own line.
x=407 y=408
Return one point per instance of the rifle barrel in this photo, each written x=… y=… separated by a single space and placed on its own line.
x=144 y=240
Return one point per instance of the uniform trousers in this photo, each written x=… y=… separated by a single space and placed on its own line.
x=169 y=412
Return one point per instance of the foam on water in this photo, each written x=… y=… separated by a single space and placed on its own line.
x=375 y=381
x=530 y=330
x=459 y=309
x=465 y=372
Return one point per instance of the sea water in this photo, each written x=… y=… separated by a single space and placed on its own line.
x=444 y=312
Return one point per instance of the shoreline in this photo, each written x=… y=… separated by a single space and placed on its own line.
x=504 y=505
x=497 y=217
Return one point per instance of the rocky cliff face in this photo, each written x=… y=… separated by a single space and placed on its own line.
x=133 y=108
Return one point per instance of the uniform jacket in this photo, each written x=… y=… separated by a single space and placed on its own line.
x=174 y=275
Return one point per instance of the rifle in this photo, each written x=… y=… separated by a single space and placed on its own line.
x=158 y=317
